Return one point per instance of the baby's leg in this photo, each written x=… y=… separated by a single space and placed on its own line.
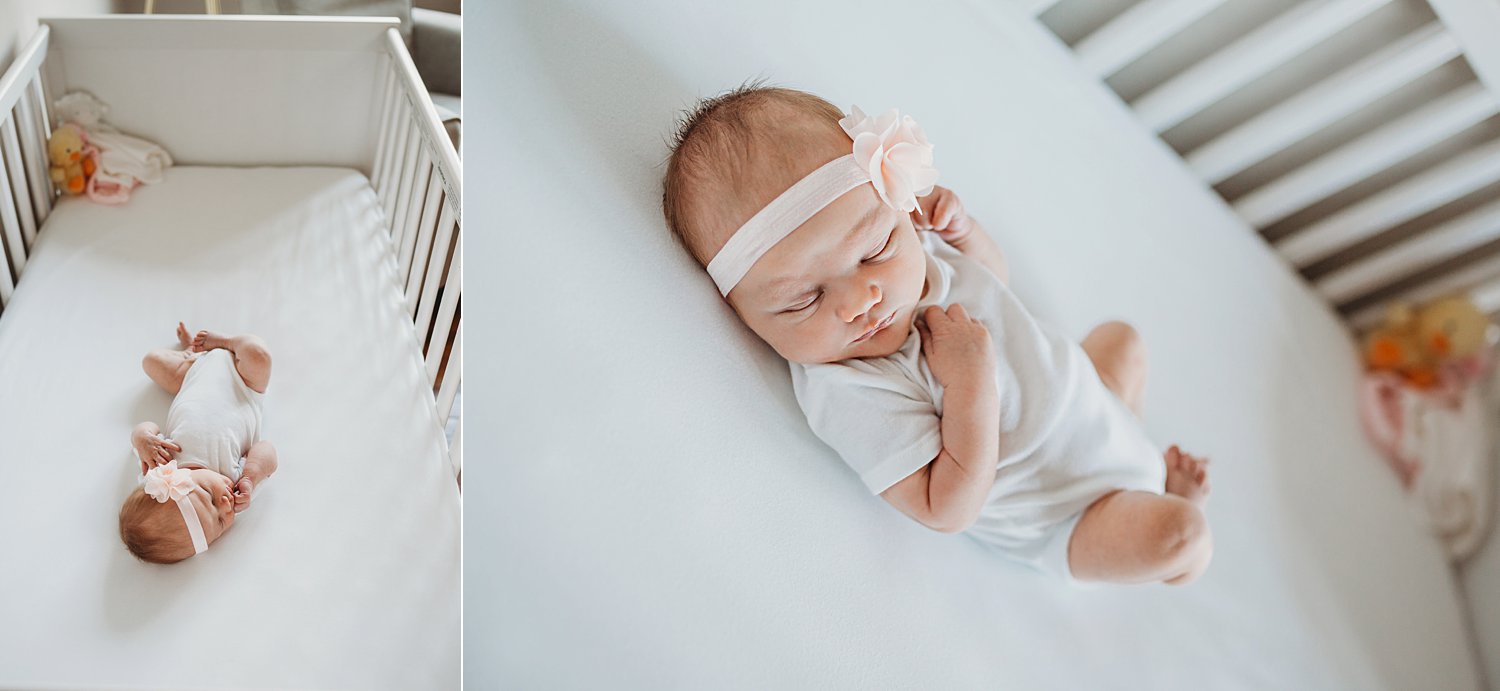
x=1119 y=355
x=168 y=367
x=1138 y=537
x=251 y=357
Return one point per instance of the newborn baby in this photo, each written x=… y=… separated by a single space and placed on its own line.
x=205 y=469
x=909 y=354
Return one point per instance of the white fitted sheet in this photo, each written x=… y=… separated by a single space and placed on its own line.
x=665 y=518
x=344 y=573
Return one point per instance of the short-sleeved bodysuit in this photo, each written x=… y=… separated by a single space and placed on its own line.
x=1065 y=438
x=216 y=416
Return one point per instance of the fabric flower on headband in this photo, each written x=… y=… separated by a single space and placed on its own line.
x=167 y=481
x=897 y=155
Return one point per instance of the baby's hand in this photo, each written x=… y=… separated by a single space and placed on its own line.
x=242 y=490
x=958 y=347
x=152 y=450
x=943 y=214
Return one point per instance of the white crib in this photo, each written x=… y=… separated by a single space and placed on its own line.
x=315 y=200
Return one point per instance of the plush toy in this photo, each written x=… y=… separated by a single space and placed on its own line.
x=117 y=162
x=1431 y=345
x=71 y=158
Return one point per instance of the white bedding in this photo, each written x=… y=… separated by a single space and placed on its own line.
x=344 y=572
x=664 y=517
x=1481 y=582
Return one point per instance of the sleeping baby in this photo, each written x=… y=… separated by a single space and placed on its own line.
x=909 y=354
x=204 y=470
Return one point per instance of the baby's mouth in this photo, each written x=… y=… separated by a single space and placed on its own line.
x=877 y=328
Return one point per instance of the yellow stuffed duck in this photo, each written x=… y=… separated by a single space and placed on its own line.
x=1432 y=345
x=71 y=157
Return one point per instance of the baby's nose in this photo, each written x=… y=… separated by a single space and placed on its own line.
x=860 y=304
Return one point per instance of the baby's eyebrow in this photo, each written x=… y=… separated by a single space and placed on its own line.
x=866 y=222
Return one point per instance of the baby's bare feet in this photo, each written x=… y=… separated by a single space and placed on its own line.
x=208 y=340
x=1187 y=476
x=184 y=339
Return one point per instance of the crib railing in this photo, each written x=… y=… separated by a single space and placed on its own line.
x=417 y=177
x=25 y=186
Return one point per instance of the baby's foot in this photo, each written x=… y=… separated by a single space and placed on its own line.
x=208 y=340
x=1187 y=476
x=184 y=339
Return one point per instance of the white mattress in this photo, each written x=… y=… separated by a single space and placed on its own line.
x=344 y=573
x=1480 y=577
x=666 y=519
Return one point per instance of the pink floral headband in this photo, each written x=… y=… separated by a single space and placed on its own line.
x=167 y=481
x=890 y=152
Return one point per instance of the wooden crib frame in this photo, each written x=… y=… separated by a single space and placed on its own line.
x=399 y=144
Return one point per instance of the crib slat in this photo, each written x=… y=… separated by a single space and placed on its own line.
x=387 y=120
x=407 y=217
x=1136 y=31
x=1358 y=160
x=1394 y=205
x=445 y=316
x=1247 y=59
x=1432 y=246
x=416 y=269
x=1323 y=104
x=17 y=166
x=411 y=178
x=43 y=127
x=7 y=284
x=383 y=188
x=34 y=151
x=1462 y=280
x=451 y=375
x=447 y=233
x=401 y=179
x=394 y=163
x=15 y=246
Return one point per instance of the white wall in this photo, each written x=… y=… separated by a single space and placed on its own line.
x=18 y=19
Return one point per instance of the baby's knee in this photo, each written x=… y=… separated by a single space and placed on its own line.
x=1127 y=343
x=1180 y=536
x=253 y=351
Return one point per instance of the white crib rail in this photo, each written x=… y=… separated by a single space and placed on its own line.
x=417 y=177
x=25 y=186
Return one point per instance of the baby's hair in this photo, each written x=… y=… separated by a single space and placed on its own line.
x=735 y=152
x=154 y=531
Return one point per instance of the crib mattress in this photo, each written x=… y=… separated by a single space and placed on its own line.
x=674 y=523
x=344 y=572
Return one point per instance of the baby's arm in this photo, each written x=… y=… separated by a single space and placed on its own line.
x=947 y=493
x=150 y=449
x=943 y=213
x=260 y=463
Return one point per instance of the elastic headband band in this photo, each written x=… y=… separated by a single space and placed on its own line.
x=194 y=525
x=783 y=215
x=890 y=152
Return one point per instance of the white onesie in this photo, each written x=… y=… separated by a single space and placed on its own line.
x=215 y=416
x=1065 y=439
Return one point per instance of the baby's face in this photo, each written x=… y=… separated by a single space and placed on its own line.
x=845 y=284
x=213 y=498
